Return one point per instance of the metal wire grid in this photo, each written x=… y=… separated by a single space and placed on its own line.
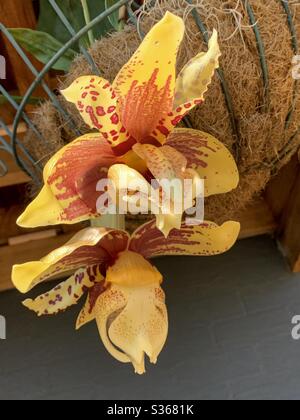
x=28 y=163
x=31 y=166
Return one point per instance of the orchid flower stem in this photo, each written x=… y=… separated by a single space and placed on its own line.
x=110 y=221
x=87 y=18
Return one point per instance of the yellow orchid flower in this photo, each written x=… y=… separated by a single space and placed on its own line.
x=136 y=118
x=123 y=288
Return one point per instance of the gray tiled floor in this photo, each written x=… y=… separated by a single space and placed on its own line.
x=230 y=338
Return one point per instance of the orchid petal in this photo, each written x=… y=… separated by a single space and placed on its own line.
x=131 y=315
x=191 y=86
x=91 y=246
x=208 y=157
x=137 y=195
x=166 y=163
x=66 y=294
x=87 y=313
x=167 y=222
x=146 y=83
x=163 y=162
x=132 y=270
x=98 y=105
x=71 y=176
x=110 y=303
x=196 y=76
x=206 y=239
x=132 y=160
x=126 y=178
x=128 y=183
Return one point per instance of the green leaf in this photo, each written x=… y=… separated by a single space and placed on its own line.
x=87 y=19
x=114 y=17
x=50 y=22
x=18 y=100
x=43 y=47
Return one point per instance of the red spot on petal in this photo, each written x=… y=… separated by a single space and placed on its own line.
x=95 y=122
x=100 y=111
x=84 y=95
x=111 y=109
x=177 y=120
x=163 y=130
x=115 y=119
x=188 y=106
x=123 y=130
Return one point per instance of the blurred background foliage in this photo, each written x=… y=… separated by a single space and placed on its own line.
x=51 y=34
x=49 y=21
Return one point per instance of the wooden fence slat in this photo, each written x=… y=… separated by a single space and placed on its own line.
x=290 y=237
x=283 y=196
x=18 y=14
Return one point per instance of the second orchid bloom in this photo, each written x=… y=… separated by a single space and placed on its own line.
x=124 y=294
